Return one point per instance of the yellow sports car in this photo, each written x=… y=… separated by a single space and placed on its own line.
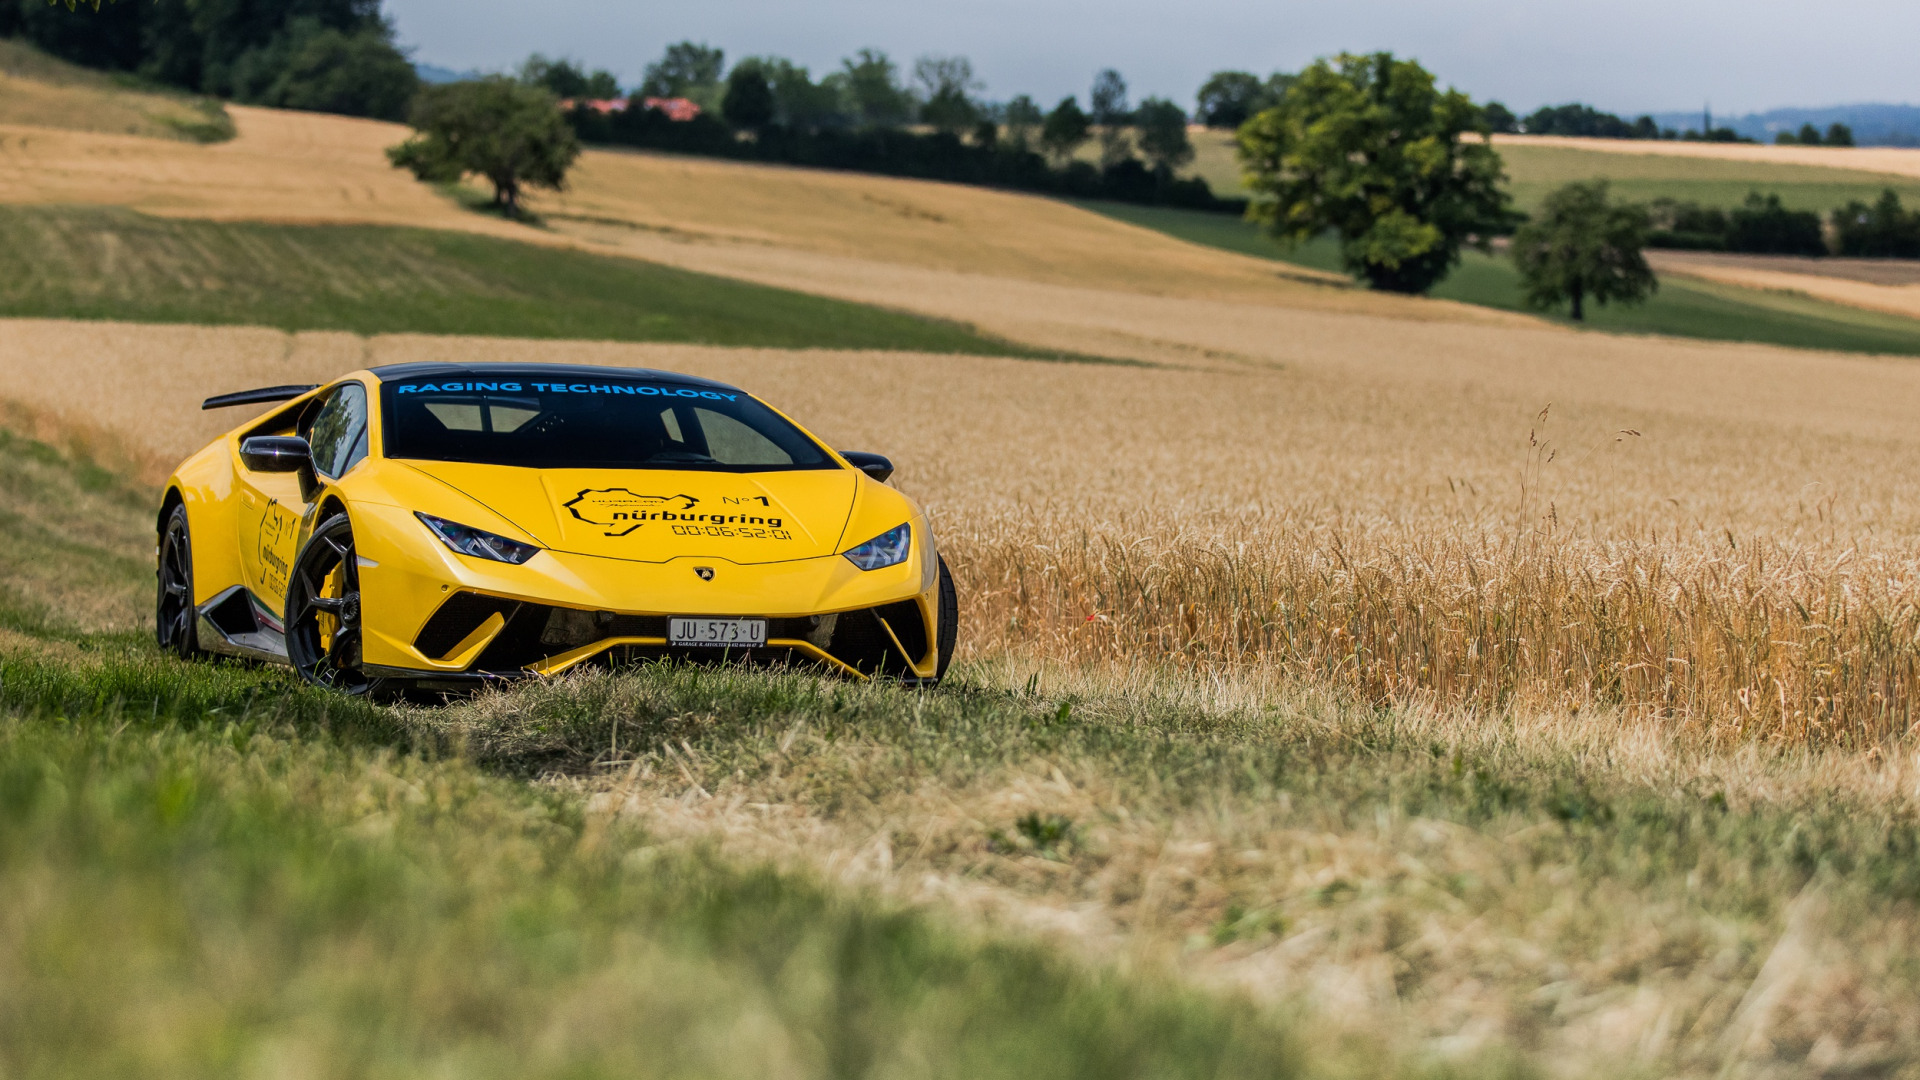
x=437 y=526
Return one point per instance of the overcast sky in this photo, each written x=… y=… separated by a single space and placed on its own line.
x=1627 y=56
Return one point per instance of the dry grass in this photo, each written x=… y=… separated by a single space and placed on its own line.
x=39 y=90
x=1716 y=536
x=1589 y=892
x=1873 y=288
x=1887 y=160
x=925 y=247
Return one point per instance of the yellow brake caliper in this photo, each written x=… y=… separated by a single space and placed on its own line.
x=333 y=588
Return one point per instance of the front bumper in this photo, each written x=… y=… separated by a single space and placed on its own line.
x=432 y=614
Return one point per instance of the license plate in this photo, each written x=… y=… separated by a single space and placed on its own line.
x=717 y=633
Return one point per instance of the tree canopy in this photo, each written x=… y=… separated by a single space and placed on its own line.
x=507 y=131
x=1883 y=230
x=1367 y=147
x=1582 y=246
x=336 y=55
x=1111 y=115
x=686 y=70
x=873 y=90
x=1229 y=98
x=749 y=101
x=948 y=85
x=1066 y=130
x=1163 y=134
x=567 y=79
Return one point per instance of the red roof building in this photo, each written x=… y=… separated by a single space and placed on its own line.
x=677 y=108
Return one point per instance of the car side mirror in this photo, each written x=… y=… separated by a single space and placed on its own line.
x=874 y=465
x=282 y=454
x=276 y=453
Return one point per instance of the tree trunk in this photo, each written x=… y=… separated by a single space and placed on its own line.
x=1579 y=304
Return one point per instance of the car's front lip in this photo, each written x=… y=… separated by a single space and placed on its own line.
x=406 y=576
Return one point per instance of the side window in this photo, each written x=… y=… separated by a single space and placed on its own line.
x=338 y=433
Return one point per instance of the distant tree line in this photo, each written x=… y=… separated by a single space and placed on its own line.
x=323 y=55
x=1838 y=134
x=1762 y=226
x=871 y=116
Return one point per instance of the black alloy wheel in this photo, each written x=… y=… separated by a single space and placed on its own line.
x=175 y=621
x=323 y=610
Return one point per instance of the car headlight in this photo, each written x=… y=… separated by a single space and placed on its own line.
x=890 y=548
x=478 y=543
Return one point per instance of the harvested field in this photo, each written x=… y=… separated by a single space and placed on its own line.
x=1713 y=174
x=36 y=89
x=1887 y=160
x=1716 y=537
x=1890 y=286
x=794 y=228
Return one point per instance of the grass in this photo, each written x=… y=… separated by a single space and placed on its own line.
x=1682 y=308
x=209 y=873
x=113 y=264
x=39 y=90
x=678 y=871
x=212 y=871
x=1533 y=171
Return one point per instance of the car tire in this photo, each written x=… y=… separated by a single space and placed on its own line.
x=176 y=621
x=948 y=613
x=323 y=617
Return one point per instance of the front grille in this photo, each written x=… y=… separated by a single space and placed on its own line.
x=537 y=632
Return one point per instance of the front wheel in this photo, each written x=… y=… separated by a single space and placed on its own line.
x=323 y=610
x=175 y=620
x=949 y=618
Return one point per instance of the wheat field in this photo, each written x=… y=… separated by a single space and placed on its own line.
x=1719 y=537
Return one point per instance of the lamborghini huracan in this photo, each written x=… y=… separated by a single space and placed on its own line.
x=436 y=527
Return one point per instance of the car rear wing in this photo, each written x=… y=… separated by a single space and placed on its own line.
x=258 y=397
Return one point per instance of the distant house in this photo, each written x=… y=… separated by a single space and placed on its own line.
x=599 y=105
x=677 y=108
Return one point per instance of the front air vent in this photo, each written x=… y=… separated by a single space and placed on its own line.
x=459 y=616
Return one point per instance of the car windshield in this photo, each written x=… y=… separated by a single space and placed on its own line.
x=608 y=422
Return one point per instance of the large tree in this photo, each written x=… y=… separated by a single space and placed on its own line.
x=1583 y=247
x=498 y=128
x=1368 y=148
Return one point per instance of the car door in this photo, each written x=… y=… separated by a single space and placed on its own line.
x=272 y=506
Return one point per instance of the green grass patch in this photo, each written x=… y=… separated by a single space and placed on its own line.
x=1534 y=171
x=196 y=885
x=97 y=263
x=1682 y=308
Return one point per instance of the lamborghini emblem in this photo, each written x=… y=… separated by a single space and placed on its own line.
x=705 y=572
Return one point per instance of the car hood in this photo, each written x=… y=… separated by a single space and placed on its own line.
x=651 y=515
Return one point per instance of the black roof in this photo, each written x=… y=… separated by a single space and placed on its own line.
x=390 y=372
